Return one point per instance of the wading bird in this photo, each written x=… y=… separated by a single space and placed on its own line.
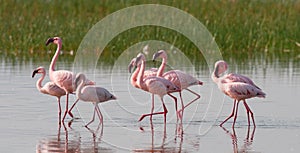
x=155 y=85
x=179 y=78
x=91 y=93
x=62 y=78
x=49 y=88
x=147 y=73
x=237 y=87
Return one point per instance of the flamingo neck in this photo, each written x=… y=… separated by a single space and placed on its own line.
x=134 y=76
x=39 y=82
x=140 y=81
x=162 y=67
x=79 y=88
x=215 y=75
x=54 y=59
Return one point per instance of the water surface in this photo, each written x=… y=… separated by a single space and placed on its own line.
x=29 y=118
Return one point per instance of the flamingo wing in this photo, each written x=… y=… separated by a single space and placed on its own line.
x=64 y=79
x=232 y=77
x=149 y=73
x=52 y=89
x=240 y=90
x=181 y=79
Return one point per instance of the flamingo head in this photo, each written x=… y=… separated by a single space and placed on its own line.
x=38 y=70
x=55 y=40
x=160 y=53
x=220 y=67
x=139 y=59
x=131 y=64
x=112 y=97
x=80 y=77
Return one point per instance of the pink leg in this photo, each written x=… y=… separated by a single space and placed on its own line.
x=231 y=115
x=175 y=100
x=180 y=112
x=93 y=116
x=198 y=96
x=235 y=116
x=152 y=106
x=249 y=112
x=165 y=110
x=67 y=103
x=59 y=111
x=70 y=111
x=99 y=114
x=145 y=115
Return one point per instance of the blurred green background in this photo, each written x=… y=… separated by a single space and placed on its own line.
x=243 y=29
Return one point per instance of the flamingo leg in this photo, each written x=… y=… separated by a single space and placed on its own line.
x=93 y=118
x=231 y=115
x=249 y=112
x=175 y=100
x=165 y=110
x=198 y=96
x=235 y=116
x=156 y=113
x=67 y=103
x=182 y=107
x=59 y=111
x=99 y=114
x=70 y=111
x=152 y=107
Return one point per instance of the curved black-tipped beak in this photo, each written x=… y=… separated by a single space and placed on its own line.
x=129 y=67
x=50 y=40
x=34 y=72
x=156 y=55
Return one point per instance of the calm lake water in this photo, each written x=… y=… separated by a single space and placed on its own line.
x=29 y=118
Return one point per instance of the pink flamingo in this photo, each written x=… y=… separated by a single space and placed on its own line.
x=179 y=78
x=237 y=87
x=91 y=93
x=62 y=78
x=155 y=85
x=49 y=88
x=147 y=73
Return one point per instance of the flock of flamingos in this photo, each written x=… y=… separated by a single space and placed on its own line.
x=154 y=81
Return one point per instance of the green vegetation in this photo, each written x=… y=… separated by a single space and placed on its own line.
x=241 y=28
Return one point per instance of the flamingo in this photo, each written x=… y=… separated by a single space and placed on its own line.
x=179 y=78
x=49 y=88
x=237 y=87
x=155 y=85
x=147 y=73
x=91 y=93
x=62 y=78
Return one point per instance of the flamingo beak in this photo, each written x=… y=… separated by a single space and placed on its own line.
x=34 y=72
x=50 y=40
x=155 y=56
x=113 y=97
x=130 y=67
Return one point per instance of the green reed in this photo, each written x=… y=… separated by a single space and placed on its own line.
x=241 y=28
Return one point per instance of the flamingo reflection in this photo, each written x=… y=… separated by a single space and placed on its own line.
x=164 y=146
x=59 y=144
x=246 y=147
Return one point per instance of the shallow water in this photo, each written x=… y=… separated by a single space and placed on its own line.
x=29 y=121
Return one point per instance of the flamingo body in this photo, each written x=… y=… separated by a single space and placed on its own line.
x=179 y=78
x=49 y=88
x=153 y=84
x=237 y=87
x=91 y=93
x=62 y=78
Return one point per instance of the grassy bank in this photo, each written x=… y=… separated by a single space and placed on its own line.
x=241 y=28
